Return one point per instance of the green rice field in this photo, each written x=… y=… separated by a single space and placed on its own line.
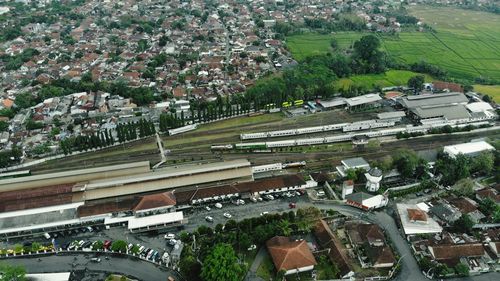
x=466 y=44
x=387 y=79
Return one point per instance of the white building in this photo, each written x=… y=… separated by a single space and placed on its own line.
x=347 y=188
x=468 y=149
x=373 y=178
x=352 y=163
x=416 y=221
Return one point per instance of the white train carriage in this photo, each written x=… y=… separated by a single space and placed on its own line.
x=182 y=129
x=310 y=130
x=285 y=143
x=382 y=125
x=267 y=168
x=253 y=136
x=281 y=133
x=311 y=141
x=333 y=127
x=222 y=147
x=340 y=138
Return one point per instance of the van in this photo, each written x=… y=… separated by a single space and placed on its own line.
x=321 y=193
x=169 y=236
x=218 y=205
x=46 y=235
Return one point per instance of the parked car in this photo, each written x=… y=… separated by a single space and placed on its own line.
x=169 y=236
x=264 y=213
x=207 y=208
x=218 y=205
x=227 y=215
x=107 y=244
x=292 y=205
x=252 y=247
x=172 y=242
x=253 y=199
x=46 y=235
x=95 y=260
x=209 y=219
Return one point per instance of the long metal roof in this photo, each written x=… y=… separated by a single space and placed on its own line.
x=433 y=99
x=74 y=173
x=170 y=172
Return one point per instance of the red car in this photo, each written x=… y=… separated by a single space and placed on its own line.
x=107 y=244
x=292 y=205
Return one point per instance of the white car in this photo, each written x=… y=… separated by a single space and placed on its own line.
x=264 y=213
x=169 y=236
x=209 y=219
x=252 y=247
x=227 y=215
x=172 y=242
x=253 y=199
x=207 y=208
x=218 y=205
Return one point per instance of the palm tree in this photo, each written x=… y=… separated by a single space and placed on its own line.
x=284 y=227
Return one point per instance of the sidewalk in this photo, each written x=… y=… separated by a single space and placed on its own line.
x=252 y=272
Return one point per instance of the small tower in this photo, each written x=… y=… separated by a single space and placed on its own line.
x=347 y=188
x=373 y=178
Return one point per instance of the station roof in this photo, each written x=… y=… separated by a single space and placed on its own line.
x=333 y=102
x=135 y=223
x=364 y=99
x=356 y=162
x=171 y=172
x=433 y=99
x=389 y=115
x=449 y=111
x=35 y=181
x=479 y=106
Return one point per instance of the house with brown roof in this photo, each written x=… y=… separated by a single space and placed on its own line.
x=370 y=239
x=471 y=254
x=336 y=251
x=155 y=203
x=488 y=193
x=290 y=256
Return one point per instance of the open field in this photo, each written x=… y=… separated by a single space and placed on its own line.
x=368 y=81
x=466 y=44
x=491 y=90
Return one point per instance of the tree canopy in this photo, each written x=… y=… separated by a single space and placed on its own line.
x=12 y=273
x=221 y=264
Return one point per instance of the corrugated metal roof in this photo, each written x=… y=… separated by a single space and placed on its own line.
x=448 y=111
x=180 y=171
x=135 y=223
x=433 y=99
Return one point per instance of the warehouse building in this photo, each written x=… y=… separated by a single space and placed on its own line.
x=409 y=102
x=468 y=149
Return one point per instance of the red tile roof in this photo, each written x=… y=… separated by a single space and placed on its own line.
x=155 y=201
x=444 y=252
x=288 y=254
x=416 y=215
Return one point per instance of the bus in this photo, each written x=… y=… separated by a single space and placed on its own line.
x=286 y=104
x=298 y=102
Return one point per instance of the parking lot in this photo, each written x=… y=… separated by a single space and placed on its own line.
x=196 y=216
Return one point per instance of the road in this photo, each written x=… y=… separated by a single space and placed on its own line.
x=135 y=268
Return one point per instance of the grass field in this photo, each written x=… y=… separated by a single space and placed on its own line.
x=491 y=90
x=368 y=81
x=467 y=43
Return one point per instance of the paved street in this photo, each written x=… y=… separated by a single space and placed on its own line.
x=63 y=263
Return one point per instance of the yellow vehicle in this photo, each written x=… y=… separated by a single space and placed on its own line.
x=298 y=102
x=286 y=104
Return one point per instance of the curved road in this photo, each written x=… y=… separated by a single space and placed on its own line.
x=132 y=267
